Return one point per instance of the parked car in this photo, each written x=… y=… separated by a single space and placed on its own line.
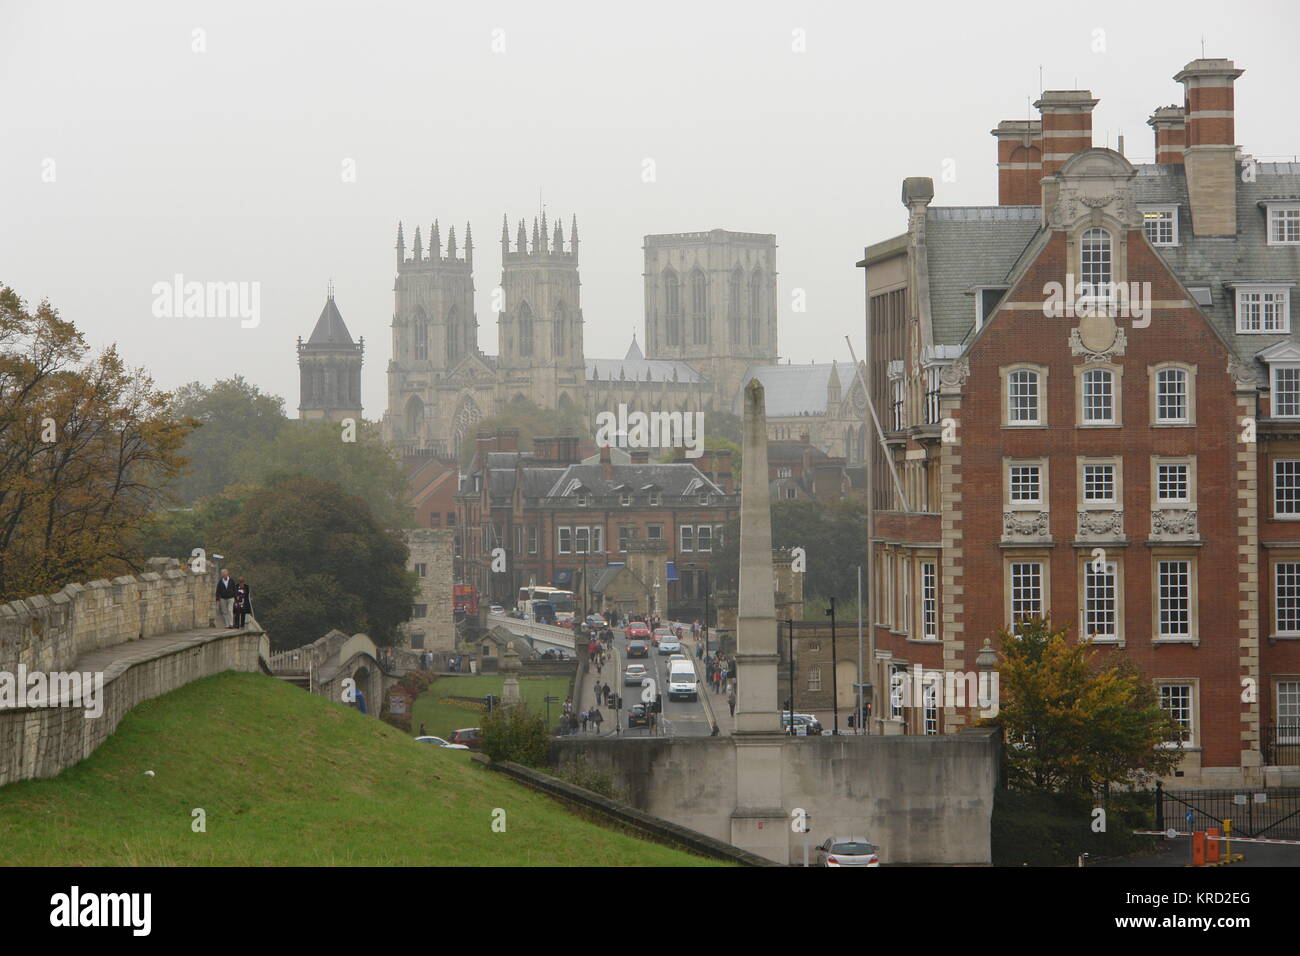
x=637 y=631
x=805 y=725
x=634 y=675
x=669 y=645
x=638 y=716
x=638 y=649
x=847 y=851
x=595 y=620
x=496 y=609
x=439 y=742
x=471 y=737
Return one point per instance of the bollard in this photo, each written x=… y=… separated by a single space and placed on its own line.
x=1198 y=848
x=1212 y=845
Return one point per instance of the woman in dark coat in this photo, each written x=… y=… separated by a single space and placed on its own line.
x=243 y=603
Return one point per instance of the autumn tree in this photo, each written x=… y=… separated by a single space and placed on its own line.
x=1074 y=724
x=86 y=451
x=316 y=559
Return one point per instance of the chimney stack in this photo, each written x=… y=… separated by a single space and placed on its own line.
x=1067 y=125
x=1171 y=134
x=1020 y=161
x=606 y=464
x=1210 y=150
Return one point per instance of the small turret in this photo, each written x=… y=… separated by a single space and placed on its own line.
x=419 y=247
x=469 y=246
x=521 y=244
x=435 y=243
x=505 y=234
x=545 y=238
x=536 y=245
x=558 y=243
x=451 y=244
x=573 y=237
x=401 y=244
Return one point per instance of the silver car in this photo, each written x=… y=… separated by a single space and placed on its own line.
x=439 y=742
x=847 y=851
x=634 y=675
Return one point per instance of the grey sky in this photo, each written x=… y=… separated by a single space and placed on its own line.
x=226 y=165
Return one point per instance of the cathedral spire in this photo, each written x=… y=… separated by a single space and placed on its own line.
x=401 y=244
x=469 y=245
x=573 y=236
x=419 y=248
x=558 y=243
x=505 y=233
x=451 y=243
x=521 y=240
x=435 y=243
x=545 y=238
x=536 y=245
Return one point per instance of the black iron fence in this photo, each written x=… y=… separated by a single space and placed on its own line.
x=1254 y=812
x=1281 y=744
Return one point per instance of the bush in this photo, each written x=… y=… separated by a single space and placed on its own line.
x=1051 y=829
x=581 y=773
x=516 y=733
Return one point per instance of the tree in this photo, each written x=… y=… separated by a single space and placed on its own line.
x=316 y=559
x=531 y=421
x=831 y=536
x=86 y=451
x=230 y=417
x=1072 y=725
x=364 y=467
x=516 y=733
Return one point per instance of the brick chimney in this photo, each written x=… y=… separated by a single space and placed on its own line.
x=546 y=451
x=1067 y=125
x=722 y=464
x=567 y=449
x=1020 y=162
x=1210 y=150
x=1171 y=134
x=606 y=464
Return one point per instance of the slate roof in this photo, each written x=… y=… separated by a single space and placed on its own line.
x=971 y=246
x=792 y=390
x=330 y=328
x=634 y=366
x=673 y=480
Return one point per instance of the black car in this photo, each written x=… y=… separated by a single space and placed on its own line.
x=638 y=649
x=638 y=716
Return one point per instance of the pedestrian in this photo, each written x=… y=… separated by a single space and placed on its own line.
x=598 y=717
x=584 y=721
x=422 y=733
x=731 y=702
x=226 y=597
x=243 y=603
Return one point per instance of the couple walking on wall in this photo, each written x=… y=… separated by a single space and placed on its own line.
x=234 y=599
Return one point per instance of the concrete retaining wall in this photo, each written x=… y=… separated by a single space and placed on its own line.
x=43 y=741
x=49 y=632
x=922 y=799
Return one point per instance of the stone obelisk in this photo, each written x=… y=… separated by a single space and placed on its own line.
x=759 y=822
x=756 y=635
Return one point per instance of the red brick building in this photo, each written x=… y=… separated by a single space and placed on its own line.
x=1093 y=395
x=558 y=516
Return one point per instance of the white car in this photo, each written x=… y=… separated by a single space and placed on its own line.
x=847 y=851
x=496 y=609
x=439 y=742
x=669 y=645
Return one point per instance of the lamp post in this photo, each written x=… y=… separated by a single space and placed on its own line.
x=835 y=686
x=789 y=624
x=705 y=572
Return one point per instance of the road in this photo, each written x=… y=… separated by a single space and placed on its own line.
x=681 y=718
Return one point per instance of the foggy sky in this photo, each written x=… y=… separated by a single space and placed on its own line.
x=225 y=165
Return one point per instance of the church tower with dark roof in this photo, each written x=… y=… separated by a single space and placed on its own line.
x=329 y=369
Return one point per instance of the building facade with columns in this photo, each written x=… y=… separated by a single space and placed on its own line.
x=1097 y=384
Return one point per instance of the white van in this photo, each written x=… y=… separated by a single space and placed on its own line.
x=681 y=681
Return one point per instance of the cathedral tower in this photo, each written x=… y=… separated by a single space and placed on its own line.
x=434 y=331
x=539 y=327
x=329 y=369
x=710 y=300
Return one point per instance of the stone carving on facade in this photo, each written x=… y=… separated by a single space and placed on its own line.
x=1094 y=524
x=1025 y=524
x=955 y=374
x=1242 y=374
x=1117 y=346
x=1173 y=522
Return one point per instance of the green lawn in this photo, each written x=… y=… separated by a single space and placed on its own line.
x=287 y=778
x=440 y=717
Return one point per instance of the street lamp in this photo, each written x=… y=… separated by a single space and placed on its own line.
x=835 y=687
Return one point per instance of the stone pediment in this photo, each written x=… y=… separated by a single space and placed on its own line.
x=1095 y=181
x=470 y=369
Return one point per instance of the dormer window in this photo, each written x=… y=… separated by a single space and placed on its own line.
x=1160 y=223
x=625 y=498
x=1263 y=308
x=1284 y=224
x=655 y=497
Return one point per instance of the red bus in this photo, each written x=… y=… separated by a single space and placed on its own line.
x=464 y=599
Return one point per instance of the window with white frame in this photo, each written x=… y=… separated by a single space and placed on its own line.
x=783 y=472
x=898 y=392
x=1176 y=701
x=1284 y=224
x=1173 y=483
x=582 y=499
x=1174 y=585
x=1286 y=597
x=1095 y=264
x=626 y=535
x=582 y=540
x=1023 y=398
x=930 y=713
x=905 y=597
x=687 y=533
x=532 y=539
x=1025 y=484
x=897 y=690
x=1286 y=487
x=1098 y=397
x=1285 y=392
x=704 y=538
x=1099 y=484
x=929 y=602
x=1026 y=592
x=1288 y=711
x=1160 y=223
x=655 y=498
x=1264 y=309
x=1171 y=395
x=815 y=677
x=598 y=539
x=565 y=540
x=625 y=498
x=1101 y=600
x=932 y=395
